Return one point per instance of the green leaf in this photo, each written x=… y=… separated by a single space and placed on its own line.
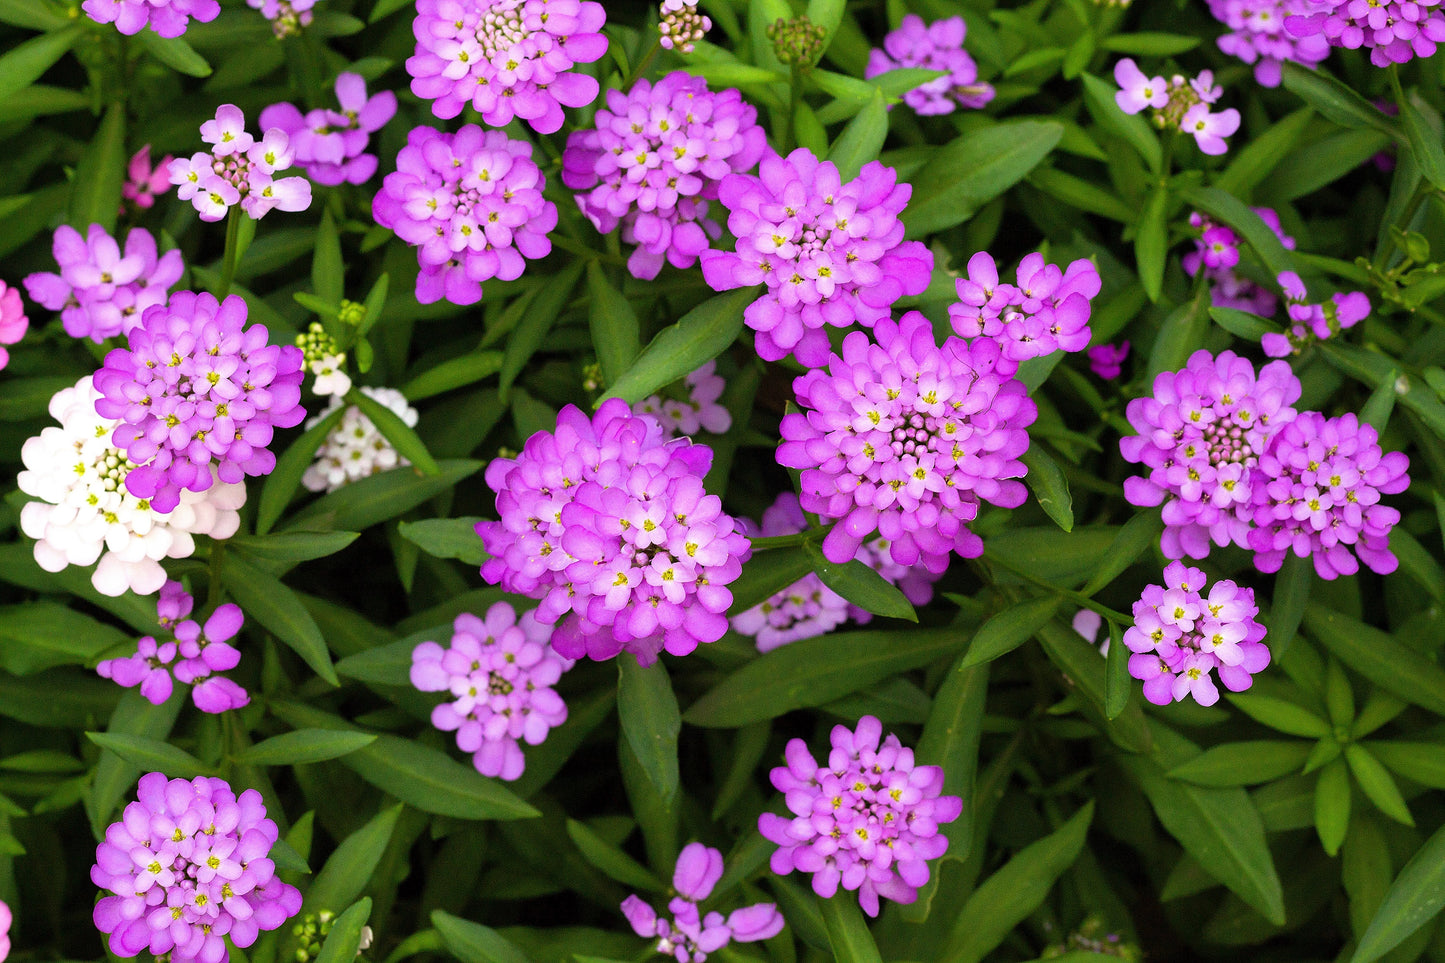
x=152 y=755
x=1229 y=209
x=401 y=435
x=648 y=711
x=40 y=635
x=328 y=270
x=1332 y=805
x=1291 y=595
x=861 y=585
x=1049 y=486
x=1118 y=684
x=1414 y=898
x=950 y=740
x=447 y=538
x=973 y=169
x=474 y=943
x=1134 y=538
x=1179 y=334
x=613 y=323
x=1377 y=783
x=1282 y=715
x=1099 y=99
x=1083 y=194
x=847 y=930
x=175 y=53
x=453 y=373
x=1378 y=657
x=611 y=860
x=1242 y=324
x=293 y=546
x=350 y=868
x=278 y=610
x=31 y=15
x=1010 y=629
x=1422 y=132
x=1422 y=762
x=1151 y=242
x=1014 y=891
x=385 y=8
x=680 y=349
x=115 y=777
x=732 y=73
x=304 y=745
x=1149 y=44
x=1252 y=163
x=1333 y=99
x=1243 y=763
x=862 y=139
x=814 y=671
x=527 y=338
x=282 y=483
x=364 y=503
x=95 y=192
x=23 y=64
x=767 y=573
x=343 y=942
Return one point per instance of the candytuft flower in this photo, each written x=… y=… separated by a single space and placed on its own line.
x=1312 y=322
x=1048 y=311
x=169 y=18
x=906 y=438
x=689 y=936
x=354 y=449
x=86 y=513
x=239 y=170
x=1394 y=30
x=1107 y=360
x=607 y=522
x=6 y=919
x=144 y=182
x=1180 y=636
x=193 y=389
x=472 y=205
x=1179 y=104
x=866 y=820
x=331 y=144
x=324 y=359
x=101 y=292
x=1258 y=36
x=188 y=866
x=699 y=412
x=506 y=58
x=1216 y=252
x=681 y=25
x=830 y=253
x=934 y=46
x=192 y=655
x=286 y=16
x=653 y=161
x=13 y=322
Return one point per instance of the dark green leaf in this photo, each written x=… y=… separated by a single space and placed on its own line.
x=680 y=349
x=175 y=53
x=1333 y=99
x=950 y=739
x=1083 y=194
x=304 y=745
x=1414 y=898
x=270 y=603
x=1242 y=324
x=383 y=496
x=349 y=869
x=95 y=192
x=531 y=332
x=650 y=721
x=975 y=168
x=1422 y=132
x=1118 y=684
x=1332 y=805
x=1152 y=240
x=848 y=933
x=23 y=64
x=1377 y=783
x=343 y=941
x=1099 y=99
x=611 y=860
x=1243 y=763
x=613 y=323
x=40 y=635
x=1010 y=629
x=1280 y=714
x=447 y=538
x=767 y=573
x=328 y=271
x=1252 y=163
x=861 y=585
x=401 y=435
x=151 y=755
x=282 y=483
x=293 y=546
x=474 y=943
x=1049 y=486
x=1150 y=44
x=1378 y=657
x=862 y=139
x=453 y=373
x=1134 y=538
x=1422 y=762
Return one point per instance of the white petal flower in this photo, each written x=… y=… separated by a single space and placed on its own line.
x=331 y=378
x=355 y=449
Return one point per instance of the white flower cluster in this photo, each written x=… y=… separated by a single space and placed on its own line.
x=355 y=449
x=86 y=513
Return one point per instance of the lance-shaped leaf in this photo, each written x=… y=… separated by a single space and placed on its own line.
x=680 y=349
x=975 y=168
x=650 y=720
x=1413 y=899
x=266 y=599
x=861 y=585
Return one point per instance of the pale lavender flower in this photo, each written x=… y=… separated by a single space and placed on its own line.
x=1047 y=311
x=699 y=412
x=331 y=144
x=1179 y=104
x=1216 y=252
x=934 y=46
x=239 y=170
x=101 y=291
x=1258 y=36
x=1395 y=31
x=1309 y=323
x=169 y=18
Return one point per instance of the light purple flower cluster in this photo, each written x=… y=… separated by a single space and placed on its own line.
x=331 y=144
x=934 y=46
x=1107 y=360
x=1177 y=104
x=189 y=865
x=681 y=25
x=1047 y=311
x=1201 y=437
x=472 y=205
x=1320 y=496
x=1312 y=322
x=866 y=820
x=905 y=438
x=100 y=292
x=169 y=18
x=506 y=58
x=194 y=388
x=192 y=656
x=1258 y=36
x=654 y=159
x=1393 y=30
x=1216 y=252
x=830 y=253
x=1180 y=636
x=699 y=412
x=239 y=170
x=607 y=519
x=689 y=936
x=286 y=16
x=499 y=673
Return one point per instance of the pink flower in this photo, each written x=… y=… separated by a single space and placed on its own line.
x=689 y=936
x=101 y=291
x=1208 y=129
x=331 y=144
x=1138 y=91
x=169 y=18
x=1216 y=252
x=144 y=182
x=1258 y=35
x=1179 y=104
x=239 y=170
x=1107 y=360
x=934 y=46
x=13 y=322
x=1047 y=311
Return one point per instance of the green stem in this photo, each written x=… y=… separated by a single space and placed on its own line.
x=1387 y=250
x=228 y=259
x=764 y=543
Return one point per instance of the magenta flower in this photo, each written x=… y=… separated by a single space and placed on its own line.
x=607 y=522
x=472 y=204
x=286 y=16
x=1319 y=496
x=689 y=936
x=499 y=673
x=1179 y=104
x=191 y=657
x=1201 y=437
x=1393 y=30
x=1216 y=252
x=188 y=865
x=239 y=170
x=700 y=412
x=653 y=161
x=6 y=918
x=194 y=388
x=1312 y=322
x=13 y=322
x=1180 y=636
x=681 y=25
x=1048 y=311
x=866 y=820
x=934 y=46
x=1107 y=360
x=830 y=253
x=169 y=18
x=101 y=292
x=144 y=182
x=905 y=438
x=1258 y=36
x=331 y=144
x=506 y=58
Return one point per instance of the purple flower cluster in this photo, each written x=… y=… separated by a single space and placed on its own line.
x=681 y=25
x=100 y=292
x=472 y=204
x=169 y=18
x=1216 y=252
x=189 y=865
x=689 y=936
x=1393 y=30
x=653 y=161
x=1180 y=636
x=506 y=58
x=699 y=412
x=239 y=170
x=1320 y=496
x=1201 y=437
x=1258 y=36
x=191 y=656
x=1177 y=104
x=194 y=388
x=331 y=144
x=1107 y=360
x=830 y=253
x=934 y=46
x=607 y=519
x=1046 y=312
x=905 y=438
x=1312 y=322
x=866 y=820
x=499 y=673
